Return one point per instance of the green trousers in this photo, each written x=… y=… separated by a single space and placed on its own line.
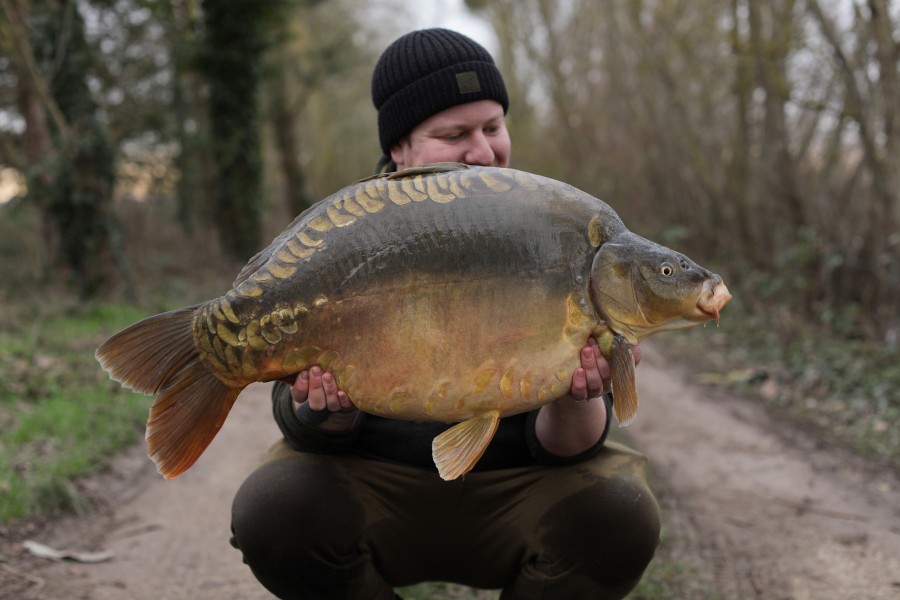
x=313 y=526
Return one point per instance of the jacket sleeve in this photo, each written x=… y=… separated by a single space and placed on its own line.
x=304 y=436
x=542 y=455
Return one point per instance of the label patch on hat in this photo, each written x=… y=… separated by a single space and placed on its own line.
x=468 y=82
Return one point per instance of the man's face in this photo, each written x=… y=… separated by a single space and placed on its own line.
x=473 y=133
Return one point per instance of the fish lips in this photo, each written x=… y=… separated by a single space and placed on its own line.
x=712 y=301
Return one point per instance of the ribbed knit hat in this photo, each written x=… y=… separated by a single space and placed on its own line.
x=425 y=72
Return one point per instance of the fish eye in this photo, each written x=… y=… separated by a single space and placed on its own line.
x=666 y=270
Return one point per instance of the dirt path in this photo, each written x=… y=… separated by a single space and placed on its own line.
x=768 y=512
x=762 y=511
x=169 y=539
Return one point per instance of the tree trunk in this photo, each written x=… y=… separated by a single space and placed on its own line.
x=285 y=131
x=234 y=46
x=71 y=174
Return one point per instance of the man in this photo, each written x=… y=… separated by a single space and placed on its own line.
x=349 y=505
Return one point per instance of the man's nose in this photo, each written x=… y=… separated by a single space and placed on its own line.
x=479 y=152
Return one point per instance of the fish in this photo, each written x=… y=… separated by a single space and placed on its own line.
x=438 y=293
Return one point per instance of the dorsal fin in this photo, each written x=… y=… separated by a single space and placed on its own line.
x=429 y=169
x=260 y=258
x=438 y=167
x=253 y=265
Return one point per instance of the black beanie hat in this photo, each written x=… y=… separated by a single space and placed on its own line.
x=425 y=72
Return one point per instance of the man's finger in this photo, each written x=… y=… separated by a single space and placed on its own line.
x=591 y=363
x=300 y=388
x=344 y=400
x=331 y=392
x=579 y=389
x=316 y=396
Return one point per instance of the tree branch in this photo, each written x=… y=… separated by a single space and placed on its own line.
x=15 y=15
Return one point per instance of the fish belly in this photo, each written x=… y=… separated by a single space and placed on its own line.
x=447 y=350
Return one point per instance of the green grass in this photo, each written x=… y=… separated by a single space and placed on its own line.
x=60 y=415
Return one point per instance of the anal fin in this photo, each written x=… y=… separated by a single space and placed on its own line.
x=457 y=450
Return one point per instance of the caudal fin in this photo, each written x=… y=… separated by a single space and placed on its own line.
x=185 y=417
x=158 y=356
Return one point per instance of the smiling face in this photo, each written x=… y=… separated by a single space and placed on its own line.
x=473 y=133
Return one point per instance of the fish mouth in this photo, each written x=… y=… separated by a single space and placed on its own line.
x=712 y=302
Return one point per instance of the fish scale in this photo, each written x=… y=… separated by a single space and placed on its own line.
x=440 y=293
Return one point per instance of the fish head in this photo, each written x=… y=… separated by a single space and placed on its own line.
x=641 y=288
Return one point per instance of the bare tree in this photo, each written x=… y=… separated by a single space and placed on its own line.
x=70 y=161
x=764 y=133
x=870 y=96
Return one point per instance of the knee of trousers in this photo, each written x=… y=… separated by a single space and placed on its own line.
x=297 y=511
x=608 y=531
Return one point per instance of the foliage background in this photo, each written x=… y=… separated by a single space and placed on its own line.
x=759 y=138
x=763 y=135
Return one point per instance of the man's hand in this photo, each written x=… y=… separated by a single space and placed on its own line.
x=317 y=391
x=320 y=391
x=592 y=379
x=575 y=422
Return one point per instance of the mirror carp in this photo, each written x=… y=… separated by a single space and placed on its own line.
x=439 y=293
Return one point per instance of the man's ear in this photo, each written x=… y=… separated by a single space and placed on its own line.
x=398 y=152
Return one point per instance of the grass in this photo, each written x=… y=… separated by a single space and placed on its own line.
x=61 y=416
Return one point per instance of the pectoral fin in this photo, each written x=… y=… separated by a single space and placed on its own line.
x=621 y=363
x=457 y=450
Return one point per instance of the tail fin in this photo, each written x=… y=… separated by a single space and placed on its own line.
x=158 y=356
x=185 y=418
